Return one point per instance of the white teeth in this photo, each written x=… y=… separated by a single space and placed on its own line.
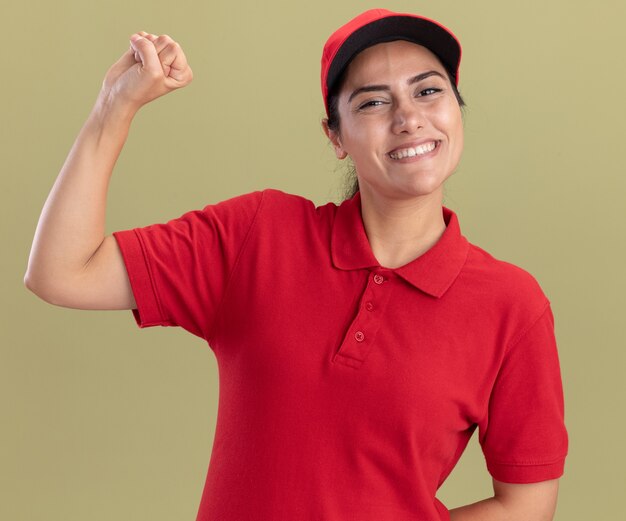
x=411 y=152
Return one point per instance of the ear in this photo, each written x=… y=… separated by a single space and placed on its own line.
x=335 y=139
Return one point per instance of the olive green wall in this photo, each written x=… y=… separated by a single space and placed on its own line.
x=102 y=420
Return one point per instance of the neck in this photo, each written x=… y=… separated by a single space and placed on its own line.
x=398 y=230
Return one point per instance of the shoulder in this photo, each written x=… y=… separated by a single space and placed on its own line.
x=268 y=207
x=507 y=285
x=271 y=213
x=289 y=208
x=265 y=201
x=276 y=196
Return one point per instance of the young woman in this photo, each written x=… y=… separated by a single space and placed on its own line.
x=359 y=345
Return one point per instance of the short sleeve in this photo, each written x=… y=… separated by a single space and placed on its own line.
x=523 y=436
x=179 y=270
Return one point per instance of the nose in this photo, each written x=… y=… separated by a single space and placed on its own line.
x=407 y=117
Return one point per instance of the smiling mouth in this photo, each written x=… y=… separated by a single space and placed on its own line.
x=414 y=151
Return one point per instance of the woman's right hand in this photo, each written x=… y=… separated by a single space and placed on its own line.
x=152 y=66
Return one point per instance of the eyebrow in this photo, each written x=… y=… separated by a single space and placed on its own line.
x=373 y=88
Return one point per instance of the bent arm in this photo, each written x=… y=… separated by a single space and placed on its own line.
x=71 y=226
x=513 y=502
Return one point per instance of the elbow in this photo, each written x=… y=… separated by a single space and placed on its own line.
x=35 y=287
x=29 y=282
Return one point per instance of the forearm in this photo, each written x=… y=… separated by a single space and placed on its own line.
x=71 y=225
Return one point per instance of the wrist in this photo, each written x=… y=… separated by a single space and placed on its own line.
x=109 y=109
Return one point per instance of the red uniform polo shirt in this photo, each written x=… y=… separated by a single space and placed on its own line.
x=348 y=391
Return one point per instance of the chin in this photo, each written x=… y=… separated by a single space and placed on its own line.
x=434 y=190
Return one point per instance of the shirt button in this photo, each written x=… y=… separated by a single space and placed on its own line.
x=378 y=279
x=369 y=306
x=359 y=336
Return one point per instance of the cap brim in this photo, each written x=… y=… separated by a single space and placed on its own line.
x=413 y=29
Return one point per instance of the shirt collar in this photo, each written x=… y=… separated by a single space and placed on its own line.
x=432 y=272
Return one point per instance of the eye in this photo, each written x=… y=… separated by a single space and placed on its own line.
x=429 y=92
x=371 y=103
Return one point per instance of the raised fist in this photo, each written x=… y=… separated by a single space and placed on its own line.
x=152 y=66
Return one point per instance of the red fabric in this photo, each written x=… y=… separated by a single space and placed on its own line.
x=338 y=39
x=349 y=391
